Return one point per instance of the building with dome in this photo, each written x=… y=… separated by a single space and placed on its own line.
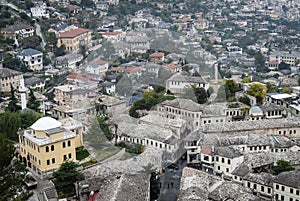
x=46 y=144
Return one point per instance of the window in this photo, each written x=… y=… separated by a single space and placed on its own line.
x=65 y=157
x=64 y=144
x=235 y=177
x=219 y=168
x=39 y=162
x=70 y=155
x=52 y=147
x=53 y=160
x=262 y=188
x=206 y=158
x=276 y=196
x=269 y=190
x=47 y=149
x=297 y=192
x=282 y=188
x=291 y=199
x=291 y=190
x=229 y=161
x=48 y=162
x=223 y=161
x=248 y=184
x=69 y=143
x=227 y=169
x=254 y=186
x=217 y=158
x=282 y=197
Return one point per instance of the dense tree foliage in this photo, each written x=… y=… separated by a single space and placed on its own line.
x=66 y=176
x=245 y=100
x=259 y=91
x=283 y=66
x=149 y=99
x=33 y=103
x=282 y=166
x=12 y=172
x=13 y=63
x=230 y=88
x=13 y=101
x=260 y=61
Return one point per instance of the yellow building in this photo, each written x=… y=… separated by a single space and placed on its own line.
x=73 y=39
x=48 y=143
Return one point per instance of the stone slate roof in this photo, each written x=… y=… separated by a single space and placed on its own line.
x=251 y=125
x=290 y=178
x=260 y=178
x=179 y=77
x=185 y=104
x=6 y=72
x=227 y=152
x=232 y=191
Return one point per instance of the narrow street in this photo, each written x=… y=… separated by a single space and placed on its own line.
x=170 y=182
x=39 y=33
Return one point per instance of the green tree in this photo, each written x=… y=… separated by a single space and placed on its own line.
x=230 y=88
x=201 y=95
x=105 y=127
x=246 y=80
x=245 y=100
x=283 y=66
x=27 y=118
x=60 y=51
x=271 y=88
x=260 y=61
x=12 y=105
x=9 y=124
x=33 y=103
x=66 y=176
x=13 y=63
x=282 y=166
x=12 y=172
x=259 y=91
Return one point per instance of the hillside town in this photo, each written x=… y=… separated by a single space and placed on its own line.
x=162 y=100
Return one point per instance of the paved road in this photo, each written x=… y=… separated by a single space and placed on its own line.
x=39 y=33
x=170 y=183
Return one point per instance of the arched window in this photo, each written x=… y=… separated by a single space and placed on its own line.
x=52 y=147
x=47 y=149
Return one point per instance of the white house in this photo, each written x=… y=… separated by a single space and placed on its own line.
x=32 y=58
x=39 y=11
x=179 y=81
x=226 y=160
x=97 y=67
x=287 y=186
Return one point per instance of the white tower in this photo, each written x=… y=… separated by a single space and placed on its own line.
x=22 y=90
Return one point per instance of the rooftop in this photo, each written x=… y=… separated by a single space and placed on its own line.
x=179 y=77
x=184 y=104
x=45 y=123
x=162 y=121
x=72 y=33
x=251 y=125
x=291 y=178
x=260 y=178
x=6 y=72
x=227 y=152
x=29 y=52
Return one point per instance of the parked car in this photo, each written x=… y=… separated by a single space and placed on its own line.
x=173 y=166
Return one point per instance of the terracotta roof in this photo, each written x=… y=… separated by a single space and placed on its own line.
x=184 y=19
x=72 y=33
x=206 y=150
x=157 y=55
x=73 y=7
x=171 y=66
x=78 y=76
x=273 y=62
x=127 y=70
x=112 y=33
x=99 y=62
